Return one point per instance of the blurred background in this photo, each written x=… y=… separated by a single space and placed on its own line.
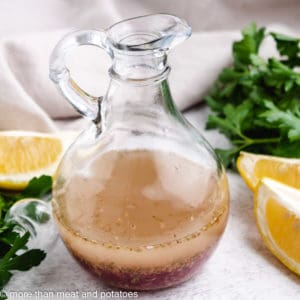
x=19 y=16
x=30 y=29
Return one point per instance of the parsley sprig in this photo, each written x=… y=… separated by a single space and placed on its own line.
x=256 y=101
x=14 y=253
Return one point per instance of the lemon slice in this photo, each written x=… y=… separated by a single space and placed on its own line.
x=277 y=212
x=254 y=167
x=24 y=155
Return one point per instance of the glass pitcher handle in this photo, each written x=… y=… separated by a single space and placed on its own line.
x=84 y=103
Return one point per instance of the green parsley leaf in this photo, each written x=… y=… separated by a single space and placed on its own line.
x=289 y=47
x=256 y=101
x=285 y=120
x=26 y=261
x=14 y=253
x=4 y=277
x=38 y=187
x=250 y=44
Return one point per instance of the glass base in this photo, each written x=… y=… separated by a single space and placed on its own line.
x=146 y=279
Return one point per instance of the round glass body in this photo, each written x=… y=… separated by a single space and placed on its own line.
x=140 y=198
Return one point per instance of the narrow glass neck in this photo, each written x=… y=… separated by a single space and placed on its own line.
x=139 y=66
x=124 y=102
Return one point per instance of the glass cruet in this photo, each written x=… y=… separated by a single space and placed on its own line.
x=140 y=198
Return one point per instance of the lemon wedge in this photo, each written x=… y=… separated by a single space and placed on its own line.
x=24 y=155
x=254 y=167
x=277 y=212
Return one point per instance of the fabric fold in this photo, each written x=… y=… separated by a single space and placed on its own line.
x=30 y=101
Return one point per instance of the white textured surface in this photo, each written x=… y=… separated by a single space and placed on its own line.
x=241 y=267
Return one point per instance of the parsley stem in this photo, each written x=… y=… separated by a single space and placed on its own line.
x=248 y=141
x=265 y=141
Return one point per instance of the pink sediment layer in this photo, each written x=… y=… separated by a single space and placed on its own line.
x=143 y=279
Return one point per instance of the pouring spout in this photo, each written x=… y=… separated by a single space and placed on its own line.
x=148 y=33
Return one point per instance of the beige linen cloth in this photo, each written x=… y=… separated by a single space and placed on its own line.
x=30 y=29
